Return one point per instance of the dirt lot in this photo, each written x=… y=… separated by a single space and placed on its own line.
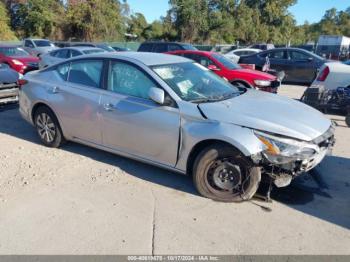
x=78 y=200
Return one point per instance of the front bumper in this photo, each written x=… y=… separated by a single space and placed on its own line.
x=324 y=145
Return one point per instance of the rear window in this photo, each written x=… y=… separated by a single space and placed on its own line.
x=145 y=48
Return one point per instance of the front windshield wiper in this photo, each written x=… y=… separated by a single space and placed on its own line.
x=215 y=98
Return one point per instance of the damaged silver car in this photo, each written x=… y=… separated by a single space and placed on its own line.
x=173 y=113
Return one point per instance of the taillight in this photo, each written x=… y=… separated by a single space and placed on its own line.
x=324 y=74
x=21 y=82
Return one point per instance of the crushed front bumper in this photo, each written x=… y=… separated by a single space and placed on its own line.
x=324 y=144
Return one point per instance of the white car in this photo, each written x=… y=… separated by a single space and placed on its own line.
x=234 y=55
x=331 y=76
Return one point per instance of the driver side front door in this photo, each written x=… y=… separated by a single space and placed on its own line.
x=134 y=124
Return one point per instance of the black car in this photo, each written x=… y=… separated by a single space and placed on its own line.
x=163 y=47
x=299 y=65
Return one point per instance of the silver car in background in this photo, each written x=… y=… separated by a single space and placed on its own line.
x=37 y=47
x=173 y=113
x=62 y=54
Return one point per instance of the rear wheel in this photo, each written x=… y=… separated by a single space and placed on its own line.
x=47 y=127
x=222 y=173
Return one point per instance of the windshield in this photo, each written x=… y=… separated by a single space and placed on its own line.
x=42 y=43
x=228 y=63
x=193 y=82
x=92 y=51
x=13 y=51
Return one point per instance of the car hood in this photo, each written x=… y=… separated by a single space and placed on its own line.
x=270 y=113
x=26 y=59
x=8 y=76
x=255 y=74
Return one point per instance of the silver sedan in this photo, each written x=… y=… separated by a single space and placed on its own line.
x=173 y=113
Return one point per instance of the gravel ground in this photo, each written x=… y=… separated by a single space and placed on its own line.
x=79 y=200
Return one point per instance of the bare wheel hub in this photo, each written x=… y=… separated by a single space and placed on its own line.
x=225 y=175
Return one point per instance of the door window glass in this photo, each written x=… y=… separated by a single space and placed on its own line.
x=28 y=43
x=128 y=80
x=203 y=60
x=63 y=54
x=160 y=48
x=174 y=47
x=74 y=53
x=294 y=55
x=62 y=71
x=277 y=55
x=87 y=73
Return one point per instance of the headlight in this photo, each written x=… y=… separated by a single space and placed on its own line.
x=262 y=82
x=16 y=62
x=280 y=150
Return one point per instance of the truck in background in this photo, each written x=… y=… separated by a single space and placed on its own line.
x=333 y=47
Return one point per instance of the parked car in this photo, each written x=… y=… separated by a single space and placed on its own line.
x=103 y=46
x=331 y=89
x=163 y=47
x=8 y=84
x=299 y=65
x=120 y=49
x=231 y=71
x=18 y=59
x=37 y=47
x=347 y=62
x=234 y=55
x=62 y=54
x=178 y=115
x=262 y=46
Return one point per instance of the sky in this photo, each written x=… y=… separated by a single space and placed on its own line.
x=310 y=10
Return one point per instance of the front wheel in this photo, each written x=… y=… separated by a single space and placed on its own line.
x=222 y=173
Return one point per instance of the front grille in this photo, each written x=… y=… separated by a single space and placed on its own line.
x=275 y=84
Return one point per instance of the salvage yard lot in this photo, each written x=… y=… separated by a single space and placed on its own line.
x=79 y=200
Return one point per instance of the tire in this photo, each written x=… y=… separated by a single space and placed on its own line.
x=347 y=120
x=48 y=128
x=222 y=173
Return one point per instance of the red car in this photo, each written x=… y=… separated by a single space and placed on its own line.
x=234 y=73
x=18 y=59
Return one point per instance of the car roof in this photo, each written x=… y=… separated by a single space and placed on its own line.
x=149 y=59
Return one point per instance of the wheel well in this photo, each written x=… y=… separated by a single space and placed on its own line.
x=198 y=148
x=37 y=106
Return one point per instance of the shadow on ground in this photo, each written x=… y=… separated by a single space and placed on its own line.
x=324 y=193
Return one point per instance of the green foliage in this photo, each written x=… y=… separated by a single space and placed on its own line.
x=196 y=21
x=6 y=33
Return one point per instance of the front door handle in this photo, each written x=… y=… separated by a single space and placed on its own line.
x=108 y=107
x=55 y=90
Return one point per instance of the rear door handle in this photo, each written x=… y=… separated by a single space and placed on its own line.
x=108 y=107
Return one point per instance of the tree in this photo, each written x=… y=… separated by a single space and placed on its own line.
x=137 y=25
x=5 y=31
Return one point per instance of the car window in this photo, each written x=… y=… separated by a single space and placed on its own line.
x=203 y=60
x=87 y=73
x=62 y=71
x=13 y=51
x=146 y=47
x=239 y=53
x=228 y=63
x=295 y=55
x=128 y=80
x=160 y=48
x=63 y=54
x=93 y=51
x=74 y=53
x=174 y=47
x=28 y=43
x=277 y=55
x=42 y=43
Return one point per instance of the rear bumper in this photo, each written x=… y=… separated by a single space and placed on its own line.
x=8 y=93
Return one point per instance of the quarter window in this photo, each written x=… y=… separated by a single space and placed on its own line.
x=62 y=71
x=128 y=80
x=87 y=73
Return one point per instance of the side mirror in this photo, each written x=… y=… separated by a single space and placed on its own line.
x=157 y=95
x=213 y=68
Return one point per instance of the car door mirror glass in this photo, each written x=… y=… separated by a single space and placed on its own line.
x=157 y=95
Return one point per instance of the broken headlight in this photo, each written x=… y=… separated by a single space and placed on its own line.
x=282 y=150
